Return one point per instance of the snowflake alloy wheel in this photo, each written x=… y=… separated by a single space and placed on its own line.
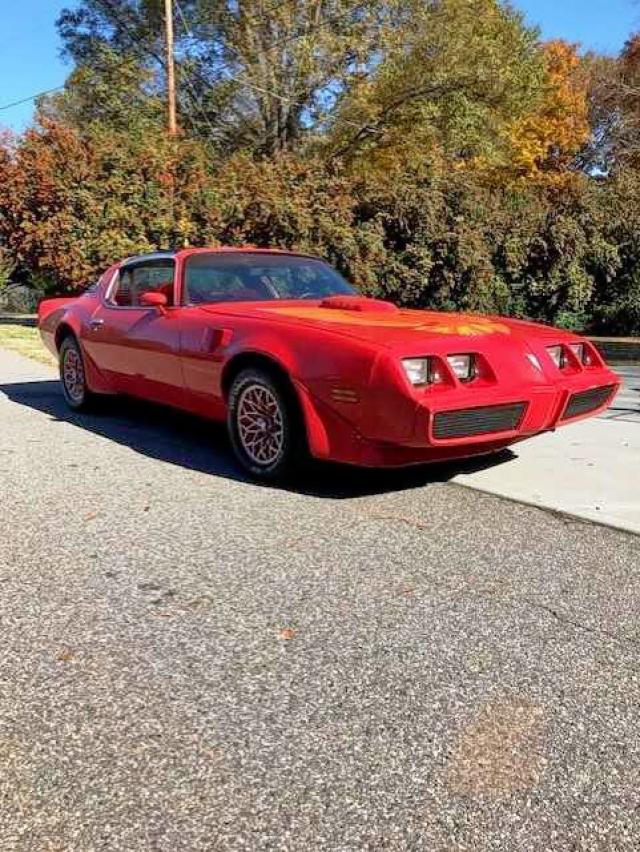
x=260 y=424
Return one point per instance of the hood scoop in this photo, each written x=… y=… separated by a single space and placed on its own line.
x=359 y=304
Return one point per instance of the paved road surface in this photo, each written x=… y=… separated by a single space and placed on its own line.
x=192 y=662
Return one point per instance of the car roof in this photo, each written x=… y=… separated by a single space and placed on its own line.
x=154 y=255
x=187 y=252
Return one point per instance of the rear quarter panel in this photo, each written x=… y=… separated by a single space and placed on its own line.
x=51 y=313
x=74 y=313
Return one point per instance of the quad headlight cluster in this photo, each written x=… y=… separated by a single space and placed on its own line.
x=425 y=371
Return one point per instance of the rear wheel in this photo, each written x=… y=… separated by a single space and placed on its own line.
x=73 y=375
x=265 y=425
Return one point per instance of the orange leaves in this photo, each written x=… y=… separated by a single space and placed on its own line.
x=545 y=141
x=71 y=203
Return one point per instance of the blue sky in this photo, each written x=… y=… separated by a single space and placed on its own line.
x=30 y=61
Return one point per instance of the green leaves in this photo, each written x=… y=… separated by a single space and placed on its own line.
x=431 y=150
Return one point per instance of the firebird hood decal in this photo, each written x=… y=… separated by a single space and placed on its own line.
x=465 y=326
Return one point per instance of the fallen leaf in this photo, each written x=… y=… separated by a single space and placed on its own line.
x=287 y=633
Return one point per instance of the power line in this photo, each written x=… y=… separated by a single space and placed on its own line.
x=282 y=98
x=32 y=97
x=134 y=40
x=196 y=101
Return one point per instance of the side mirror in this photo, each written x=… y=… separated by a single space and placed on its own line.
x=153 y=299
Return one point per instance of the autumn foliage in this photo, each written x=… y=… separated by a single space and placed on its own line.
x=547 y=139
x=439 y=154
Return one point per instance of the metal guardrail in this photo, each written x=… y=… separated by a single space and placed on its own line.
x=28 y=320
x=619 y=350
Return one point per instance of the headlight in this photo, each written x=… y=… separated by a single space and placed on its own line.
x=463 y=366
x=556 y=353
x=417 y=370
x=578 y=351
x=582 y=354
x=428 y=371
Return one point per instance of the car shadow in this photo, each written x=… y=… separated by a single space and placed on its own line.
x=195 y=444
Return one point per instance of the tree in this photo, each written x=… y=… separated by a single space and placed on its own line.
x=452 y=75
x=614 y=106
x=71 y=204
x=435 y=150
x=547 y=141
x=115 y=92
x=251 y=74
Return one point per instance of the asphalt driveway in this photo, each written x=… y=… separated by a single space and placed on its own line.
x=193 y=662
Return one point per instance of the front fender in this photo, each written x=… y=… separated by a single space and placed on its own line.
x=347 y=388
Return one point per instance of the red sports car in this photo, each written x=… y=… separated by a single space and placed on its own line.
x=298 y=363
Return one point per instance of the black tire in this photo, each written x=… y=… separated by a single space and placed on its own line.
x=73 y=375
x=282 y=436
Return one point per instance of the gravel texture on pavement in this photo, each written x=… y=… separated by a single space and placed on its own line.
x=385 y=662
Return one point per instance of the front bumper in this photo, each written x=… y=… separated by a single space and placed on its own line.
x=471 y=422
x=519 y=414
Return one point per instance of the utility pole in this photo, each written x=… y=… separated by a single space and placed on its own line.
x=171 y=74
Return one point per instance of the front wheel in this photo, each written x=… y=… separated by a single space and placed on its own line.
x=73 y=376
x=265 y=425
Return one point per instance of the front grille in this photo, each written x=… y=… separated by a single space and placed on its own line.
x=586 y=401
x=478 y=421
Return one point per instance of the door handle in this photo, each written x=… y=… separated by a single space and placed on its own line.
x=96 y=324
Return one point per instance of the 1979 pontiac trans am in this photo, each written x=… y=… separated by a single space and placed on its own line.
x=297 y=363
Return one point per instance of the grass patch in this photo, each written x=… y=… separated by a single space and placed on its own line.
x=25 y=341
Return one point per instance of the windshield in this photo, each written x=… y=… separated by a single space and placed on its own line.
x=217 y=277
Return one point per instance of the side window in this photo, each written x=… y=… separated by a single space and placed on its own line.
x=153 y=276
x=121 y=294
x=204 y=284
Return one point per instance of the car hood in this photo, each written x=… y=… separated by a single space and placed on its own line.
x=384 y=324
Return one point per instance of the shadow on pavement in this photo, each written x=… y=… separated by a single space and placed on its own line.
x=195 y=444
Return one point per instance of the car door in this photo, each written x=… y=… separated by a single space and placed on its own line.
x=136 y=346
